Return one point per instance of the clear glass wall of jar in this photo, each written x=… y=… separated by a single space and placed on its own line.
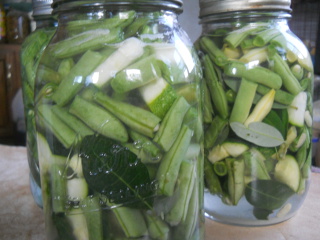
x=258 y=112
x=120 y=131
x=31 y=51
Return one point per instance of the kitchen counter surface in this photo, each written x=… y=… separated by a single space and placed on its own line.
x=21 y=219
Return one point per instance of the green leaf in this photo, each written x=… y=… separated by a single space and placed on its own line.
x=115 y=172
x=267 y=194
x=258 y=133
x=261 y=214
x=274 y=120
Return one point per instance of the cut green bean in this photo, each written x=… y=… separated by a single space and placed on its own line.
x=131 y=221
x=184 y=187
x=297 y=71
x=136 y=118
x=168 y=171
x=207 y=105
x=280 y=96
x=61 y=130
x=264 y=37
x=289 y=80
x=92 y=212
x=235 y=37
x=236 y=184
x=220 y=168
x=211 y=179
x=171 y=124
x=48 y=75
x=65 y=66
x=243 y=102
x=89 y=40
x=76 y=79
x=212 y=133
x=98 y=119
x=157 y=228
x=218 y=94
x=58 y=182
x=215 y=54
x=148 y=151
x=73 y=122
x=263 y=76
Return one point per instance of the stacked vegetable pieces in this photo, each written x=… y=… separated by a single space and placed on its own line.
x=31 y=52
x=120 y=132
x=257 y=116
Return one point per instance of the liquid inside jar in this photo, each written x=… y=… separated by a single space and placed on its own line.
x=258 y=121
x=119 y=129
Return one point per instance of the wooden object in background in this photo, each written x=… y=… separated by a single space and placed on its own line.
x=9 y=85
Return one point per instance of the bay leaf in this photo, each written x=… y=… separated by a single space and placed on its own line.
x=267 y=194
x=259 y=133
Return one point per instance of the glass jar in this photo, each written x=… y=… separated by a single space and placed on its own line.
x=17 y=26
x=258 y=112
x=31 y=51
x=119 y=126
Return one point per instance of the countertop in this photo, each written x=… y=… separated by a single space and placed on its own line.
x=21 y=219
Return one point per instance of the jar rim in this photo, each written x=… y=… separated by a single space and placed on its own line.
x=41 y=7
x=66 y=5
x=225 y=16
x=209 y=7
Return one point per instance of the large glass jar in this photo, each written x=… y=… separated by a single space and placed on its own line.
x=258 y=112
x=31 y=51
x=119 y=123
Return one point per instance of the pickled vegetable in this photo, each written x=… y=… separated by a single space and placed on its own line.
x=123 y=134
x=268 y=135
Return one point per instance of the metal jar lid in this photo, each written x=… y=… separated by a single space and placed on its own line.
x=41 y=7
x=63 y=5
x=208 y=7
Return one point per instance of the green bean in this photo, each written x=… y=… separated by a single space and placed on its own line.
x=211 y=179
x=89 y=40
x=212 y=133
x=263 y=76
x=73 y=122
x=172 y=123
x=218 y=94
x=243 y=102
x=98 y=119
x=157 y=228
x=48 y=75
x=215 y=54
x=289 y=80
x=168 y=171
x=207 y=105
x=65 y=67
x=264 y=37
x=185 y=186
x=235 y=38
x=235 y=179
x=220 y=168
x=61 y=130
x=136 y=118
x=297 y=71
x=69 y=87
x=280 y=96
